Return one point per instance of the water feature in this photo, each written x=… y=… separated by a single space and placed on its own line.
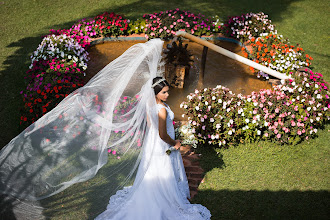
x=219 y=70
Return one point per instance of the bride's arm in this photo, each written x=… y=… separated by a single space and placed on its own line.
x=162 y=129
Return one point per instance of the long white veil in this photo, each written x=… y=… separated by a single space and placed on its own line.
x=104 y=122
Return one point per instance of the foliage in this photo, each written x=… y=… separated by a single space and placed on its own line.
x=137 y=26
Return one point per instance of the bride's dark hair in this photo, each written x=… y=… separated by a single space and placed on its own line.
x=159 y=86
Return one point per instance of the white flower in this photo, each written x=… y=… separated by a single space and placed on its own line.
x=230 y=132
x=316 y=86
x=307 y=84
x=266 y=123
x=231 y=121
x=182 y=115
x=308 y=108
x=219 y=100
x=197 y=108
x=254 y=121
x=202 y=119
x=317 y=118
x=206 y=103
x=211 y=120
x=213 y=97
x=258 y=132
x=247 y=120
x=249 y=99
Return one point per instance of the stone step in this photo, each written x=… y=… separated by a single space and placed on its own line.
x=195 y=173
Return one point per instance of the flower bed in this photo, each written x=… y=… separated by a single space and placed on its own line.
x=288 y=114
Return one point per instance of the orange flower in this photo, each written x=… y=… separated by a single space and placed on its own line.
x=252 y=39
x=266 y=50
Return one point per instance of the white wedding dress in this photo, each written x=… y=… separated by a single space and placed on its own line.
x=163 y=191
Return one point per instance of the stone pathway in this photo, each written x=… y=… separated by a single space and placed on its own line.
x=195 y=173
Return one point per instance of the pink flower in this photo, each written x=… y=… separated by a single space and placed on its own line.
x=109 y=151
x=114 y=152
x=278 y=136
x=266 y=134
x=299 y=132
x=277 y=110
x=293 y=123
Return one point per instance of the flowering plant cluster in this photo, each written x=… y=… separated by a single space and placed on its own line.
x=288 y=114
x=45 y=73
x=246 y=26
x=278 y=54
x=61 y=47
x=110 y=24
x=40 y=102
x=166 y=23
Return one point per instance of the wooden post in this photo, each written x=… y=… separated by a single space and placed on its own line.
x=233 y=55
x=201 y=74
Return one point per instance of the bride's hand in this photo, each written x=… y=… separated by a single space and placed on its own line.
x=177 y=144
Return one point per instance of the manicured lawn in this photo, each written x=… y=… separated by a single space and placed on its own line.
x=255 y=181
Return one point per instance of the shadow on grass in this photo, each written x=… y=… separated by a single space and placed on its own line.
x=237 y=204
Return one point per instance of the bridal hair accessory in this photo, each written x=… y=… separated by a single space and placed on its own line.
x=156 y=83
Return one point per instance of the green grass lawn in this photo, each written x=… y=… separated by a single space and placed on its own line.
x=255 y=181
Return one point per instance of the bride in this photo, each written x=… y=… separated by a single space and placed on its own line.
x=121 y=110
x=163 y=191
